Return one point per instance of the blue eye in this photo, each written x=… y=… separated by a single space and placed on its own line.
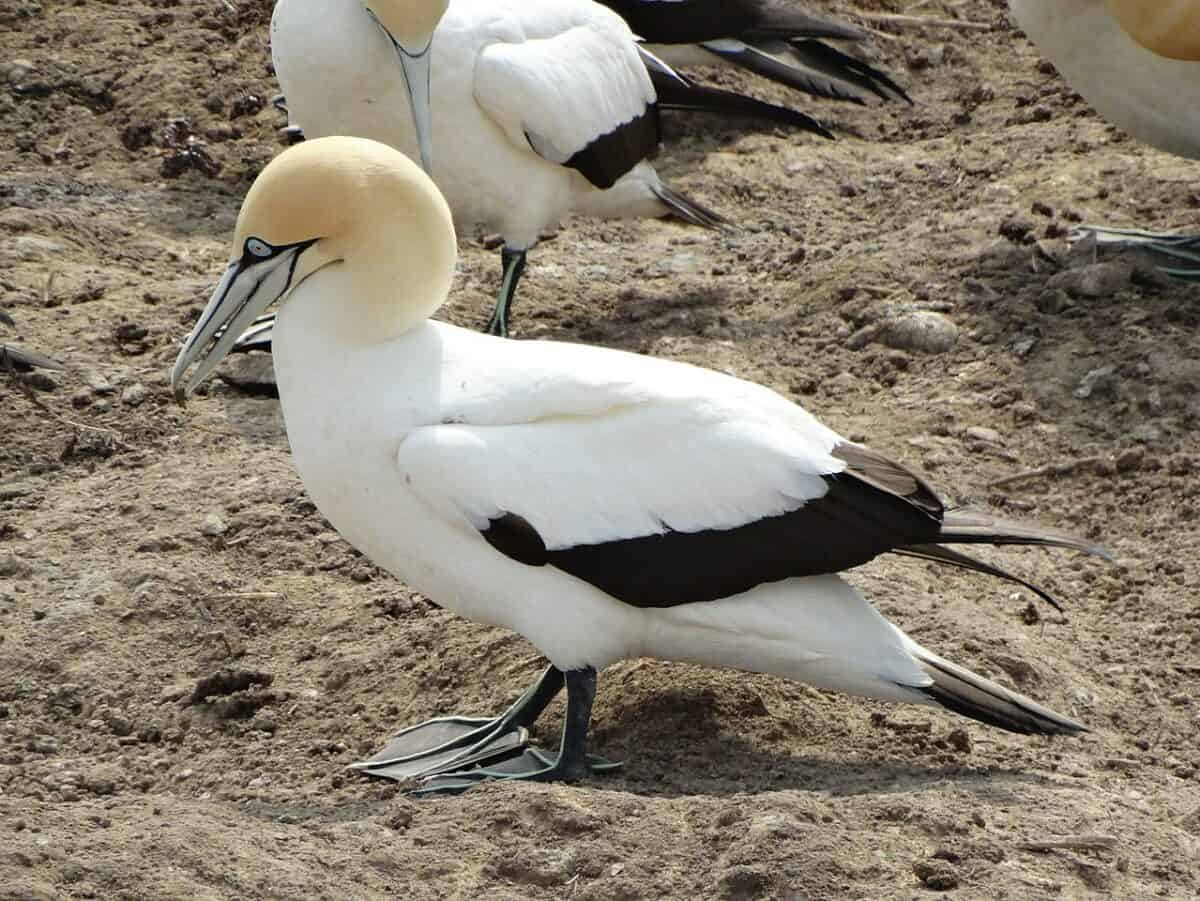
x=259 y=248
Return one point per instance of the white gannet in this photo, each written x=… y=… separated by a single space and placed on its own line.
x=603 y=504
x=779 y=41
x=1137 y=62
x=536 y=108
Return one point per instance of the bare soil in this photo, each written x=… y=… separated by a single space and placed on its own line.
x=144 y=548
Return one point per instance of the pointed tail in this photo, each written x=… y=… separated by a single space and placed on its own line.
x=973 y=527
x=963 y=692
x=688 y=210
x=686 y=96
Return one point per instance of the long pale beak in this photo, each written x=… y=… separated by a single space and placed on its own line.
x=416 y=78
x=246 y=289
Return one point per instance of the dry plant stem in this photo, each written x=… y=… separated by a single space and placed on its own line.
x=1087 y=842
x=923 y=21
x=1050 y=469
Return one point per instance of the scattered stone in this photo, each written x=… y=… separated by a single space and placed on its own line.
x=253 y=373
x=917 y=330
x=134 y=395
x=984 y=434
x=1130 y=460
x=102 y=779
x=1095 y=380
x=1017 y=229
x=1096 y=280
x=939 y=875
x=213 y=526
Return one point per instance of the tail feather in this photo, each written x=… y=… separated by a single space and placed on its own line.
x=790 y=23
x=687 y=209
x=836 y=64
x=963 y=692
x=954 y=558
x=975 y=527
x=690 y=97
x=22 y=360
x=790 y=74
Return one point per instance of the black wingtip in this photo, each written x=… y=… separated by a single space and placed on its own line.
x=968 y=694
x=936 y=554
x=684 y=95
x=690 y=211
x=19 y=359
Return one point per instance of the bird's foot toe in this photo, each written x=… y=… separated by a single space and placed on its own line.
x=444 y=745
x=533 y=765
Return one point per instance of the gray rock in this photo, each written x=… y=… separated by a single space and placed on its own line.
x=134 y=395
x=213 y=525
x=920 y=330
x=1094 y=380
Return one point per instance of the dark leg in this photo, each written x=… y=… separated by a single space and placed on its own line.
x=581 y=693
x=452 y=743
x=570 y=763
x=512 y=263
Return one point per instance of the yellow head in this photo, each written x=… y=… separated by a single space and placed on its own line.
x=1170 y=28
x=327 y=202
x=411 y=23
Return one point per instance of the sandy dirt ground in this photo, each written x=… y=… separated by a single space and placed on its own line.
x=189 y=656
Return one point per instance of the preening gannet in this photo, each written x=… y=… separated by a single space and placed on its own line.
x=521 y=110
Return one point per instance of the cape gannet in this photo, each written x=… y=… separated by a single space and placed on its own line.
x=603 y=504
x=536 y=108
x=779 y=41
x=1137 y=62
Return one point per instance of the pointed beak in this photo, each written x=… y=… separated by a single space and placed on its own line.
x=416 y=68
x=416 y=77
x=246 y=289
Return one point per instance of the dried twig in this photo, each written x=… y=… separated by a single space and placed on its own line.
x=923 y=21
x=244 y=596
x=1086 y=842
x=48 y=288
x=1050 y=469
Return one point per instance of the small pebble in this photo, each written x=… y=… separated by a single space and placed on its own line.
x=134 y=395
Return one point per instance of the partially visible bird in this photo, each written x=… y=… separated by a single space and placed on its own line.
x=1137 y=62
x=774 y=39
x=605 y=505
x=536 y=108
x=14 y=358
